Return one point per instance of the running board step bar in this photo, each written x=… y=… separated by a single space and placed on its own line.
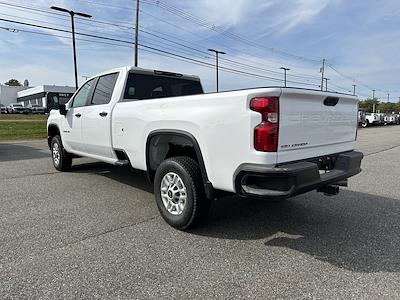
x=122 y=163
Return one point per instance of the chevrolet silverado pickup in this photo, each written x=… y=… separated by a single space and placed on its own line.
x=267 y=143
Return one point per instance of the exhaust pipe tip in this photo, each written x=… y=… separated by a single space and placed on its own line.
x=329 y=190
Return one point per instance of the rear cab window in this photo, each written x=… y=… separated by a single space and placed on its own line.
x=152 y=86
x=104 y=89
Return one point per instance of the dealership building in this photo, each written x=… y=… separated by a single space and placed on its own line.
x=47 y=96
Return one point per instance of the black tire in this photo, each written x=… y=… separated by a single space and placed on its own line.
x=365 y=124
x=63 y=161
x=196 y=205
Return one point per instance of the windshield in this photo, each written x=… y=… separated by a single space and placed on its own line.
x=142 y=86
x=17 y=105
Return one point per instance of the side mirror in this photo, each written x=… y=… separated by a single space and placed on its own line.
x=63 y=109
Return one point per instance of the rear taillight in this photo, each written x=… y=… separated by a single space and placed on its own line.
x=266 y=133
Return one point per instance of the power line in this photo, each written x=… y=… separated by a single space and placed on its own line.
x=190 y=17
x=185 y=15
x=307 y=77
x=249 y=74
x=60 y=16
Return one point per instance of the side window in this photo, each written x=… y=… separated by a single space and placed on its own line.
x=81 y=97
x=104 y=89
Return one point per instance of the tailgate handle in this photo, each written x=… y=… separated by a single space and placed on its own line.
x=331 y=101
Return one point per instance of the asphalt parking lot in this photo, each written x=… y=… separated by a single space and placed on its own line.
x=95 y=232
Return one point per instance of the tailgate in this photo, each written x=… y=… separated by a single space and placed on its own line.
x=315 y=123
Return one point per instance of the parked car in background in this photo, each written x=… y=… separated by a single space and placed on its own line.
x=397 y=116
x=361 y=117
x=16 y=108
x=36 y=109
x=3 y=109
x=392 y=119
x=371 y=119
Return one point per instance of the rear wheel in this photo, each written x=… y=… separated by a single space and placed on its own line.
x=179 y=192
x=62 y=160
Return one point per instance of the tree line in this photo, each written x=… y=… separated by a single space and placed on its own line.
x=384 y=107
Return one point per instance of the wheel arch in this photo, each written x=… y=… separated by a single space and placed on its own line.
x=52 y=131
x=165 y=143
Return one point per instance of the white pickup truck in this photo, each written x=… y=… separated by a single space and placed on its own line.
x=267 y=143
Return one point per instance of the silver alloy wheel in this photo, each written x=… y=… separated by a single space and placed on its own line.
x=173 y=193
x=56 y=154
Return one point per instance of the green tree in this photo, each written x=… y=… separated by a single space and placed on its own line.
x=13 y=82
x=387 y=107
x=368 y=105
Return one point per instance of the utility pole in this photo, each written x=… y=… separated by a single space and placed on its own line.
x=72 y=14
x=284 y=71
x=373 y=94
x=137 y=35
x=323 y=74
x=217 y=53
x=354 y=89
x=326 y=83
x=388 y=97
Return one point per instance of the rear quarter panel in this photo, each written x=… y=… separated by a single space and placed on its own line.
x=222 y=124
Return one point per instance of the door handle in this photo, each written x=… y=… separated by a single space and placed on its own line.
x=78 y=115
x=103 y=114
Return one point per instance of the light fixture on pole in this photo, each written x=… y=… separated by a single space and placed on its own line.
x=72 y=14
x=284 y=72
x=217 y=53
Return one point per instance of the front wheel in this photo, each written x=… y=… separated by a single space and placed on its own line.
x=62 y=161
x=179 y=192
x=365 y=124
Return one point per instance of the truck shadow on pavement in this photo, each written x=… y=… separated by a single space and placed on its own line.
x=13 y=152
x=125 y=175
x=355 y=231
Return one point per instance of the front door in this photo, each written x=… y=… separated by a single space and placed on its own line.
x=72 y=125
x=96 y=121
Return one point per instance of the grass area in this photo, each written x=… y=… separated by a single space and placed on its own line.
x=22 y=127
x=23 y=117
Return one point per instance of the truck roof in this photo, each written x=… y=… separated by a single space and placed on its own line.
x=149 y=72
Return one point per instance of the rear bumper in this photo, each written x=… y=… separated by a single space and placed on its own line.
x=288 y=180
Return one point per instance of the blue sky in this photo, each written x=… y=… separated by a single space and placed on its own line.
x=360 y=39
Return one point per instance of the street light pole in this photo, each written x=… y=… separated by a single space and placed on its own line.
x=326 y=83
x=373 y=94
x=388 y=97
x=72 y=14
x=216 y=64
x=284 y=72
x=137 y=35
x=354 y=89
x=322 y=74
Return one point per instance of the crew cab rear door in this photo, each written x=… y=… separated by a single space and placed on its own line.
x=96 y=120
x=315 y=123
